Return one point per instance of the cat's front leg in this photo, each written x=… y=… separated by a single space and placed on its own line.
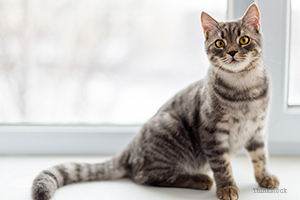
x=217 y=153
x=259 y=156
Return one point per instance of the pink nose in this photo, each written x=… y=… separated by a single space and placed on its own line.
x=232 y=53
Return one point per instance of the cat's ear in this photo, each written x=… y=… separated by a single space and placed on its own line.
x=251 y=17
x=208 y=23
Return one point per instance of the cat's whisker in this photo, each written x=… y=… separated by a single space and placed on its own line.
x=274 y=61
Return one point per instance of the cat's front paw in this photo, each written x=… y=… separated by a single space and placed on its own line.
x=228 y=193
x=269 y=182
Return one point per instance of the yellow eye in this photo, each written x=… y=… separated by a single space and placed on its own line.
x=220 y=43
x=244 y=40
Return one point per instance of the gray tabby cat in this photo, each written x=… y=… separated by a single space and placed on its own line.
x=200 y=127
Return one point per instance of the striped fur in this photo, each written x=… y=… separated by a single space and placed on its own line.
x=199 y=128
x=48 y=181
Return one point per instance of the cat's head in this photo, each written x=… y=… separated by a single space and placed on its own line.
x=233 y=46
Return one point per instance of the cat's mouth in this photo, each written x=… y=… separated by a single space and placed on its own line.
x=233 y=61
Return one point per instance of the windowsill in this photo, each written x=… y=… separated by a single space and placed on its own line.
x=18 y=172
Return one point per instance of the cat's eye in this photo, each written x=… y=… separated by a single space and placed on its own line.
x=244 y=40
x=220 y=43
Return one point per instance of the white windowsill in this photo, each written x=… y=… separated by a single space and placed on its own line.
x=18 y=172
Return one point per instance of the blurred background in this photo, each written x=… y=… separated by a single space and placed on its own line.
x=91 y=61
x=104 y=61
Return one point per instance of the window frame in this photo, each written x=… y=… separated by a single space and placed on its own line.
x=110 y=139
x=65 y=139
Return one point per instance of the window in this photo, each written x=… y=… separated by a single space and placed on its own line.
x=138 y=53
x=294 y=81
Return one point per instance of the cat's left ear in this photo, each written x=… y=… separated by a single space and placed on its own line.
x=251 y=17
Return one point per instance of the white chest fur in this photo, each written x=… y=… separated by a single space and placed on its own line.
x=240 y=133
x=241 y=130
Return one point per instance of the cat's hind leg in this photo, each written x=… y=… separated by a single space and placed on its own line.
x=164 y=149
x=199 y=181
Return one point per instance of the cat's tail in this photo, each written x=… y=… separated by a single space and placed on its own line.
x=48 y=181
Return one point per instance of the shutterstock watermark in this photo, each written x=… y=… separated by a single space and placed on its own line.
x=265 y=190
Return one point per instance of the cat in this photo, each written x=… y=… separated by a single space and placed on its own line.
x=200 y=127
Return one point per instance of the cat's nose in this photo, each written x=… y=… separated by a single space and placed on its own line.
x=232 y=53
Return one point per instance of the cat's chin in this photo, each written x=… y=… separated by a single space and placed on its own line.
x=235 y=66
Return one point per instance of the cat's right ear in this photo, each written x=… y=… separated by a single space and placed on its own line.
x=208 y=23
x=251 y=17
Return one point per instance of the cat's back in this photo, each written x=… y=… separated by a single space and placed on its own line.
x=185 y=101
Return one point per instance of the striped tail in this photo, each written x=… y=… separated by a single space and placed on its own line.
x=48 y=181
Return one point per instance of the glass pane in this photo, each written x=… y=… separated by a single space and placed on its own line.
x=294 y=81
x=91 y=61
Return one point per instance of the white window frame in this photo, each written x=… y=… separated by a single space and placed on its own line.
x=97 y=139
x=65 y=139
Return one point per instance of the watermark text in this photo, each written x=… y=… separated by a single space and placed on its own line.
x=266 y=190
